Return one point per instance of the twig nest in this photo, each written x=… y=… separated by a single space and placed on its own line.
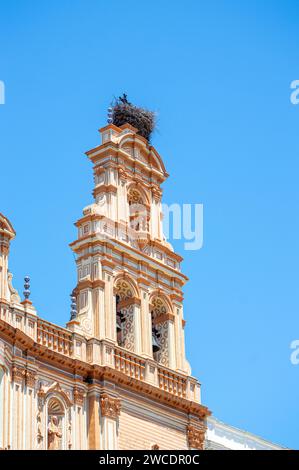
x=125 y=112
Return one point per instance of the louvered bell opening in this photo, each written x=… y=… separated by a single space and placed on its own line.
x=155 y=340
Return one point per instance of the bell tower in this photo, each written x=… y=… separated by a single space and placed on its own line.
x=127 y=304
x=129 y=288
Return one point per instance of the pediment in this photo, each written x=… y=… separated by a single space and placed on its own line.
x=6 y=227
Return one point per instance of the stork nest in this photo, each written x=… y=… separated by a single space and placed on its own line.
x=125 y=112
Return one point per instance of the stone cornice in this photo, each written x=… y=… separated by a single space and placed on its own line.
x=98 y=373
x=113 y=148
x=89 y=284
x=115 y=244
x=104 y=188
x=6 y=229
x=19 y=374
x=88 y=218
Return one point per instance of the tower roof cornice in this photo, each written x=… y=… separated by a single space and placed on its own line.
x=114 y=138
x=6 y=228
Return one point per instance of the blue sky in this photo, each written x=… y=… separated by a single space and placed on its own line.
x=218 y=74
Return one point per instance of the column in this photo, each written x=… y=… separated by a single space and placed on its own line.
x=179 y=340
x=110 y=411
x=122 y=199
x=146 y=325
x=5 y=406
x=182 y=345
x=93 y=420
x=137 y=328
x=18 y=375
x=110 y=307
x=99 y=312
x=171 y=345
x=78 y=418
x=30 y=379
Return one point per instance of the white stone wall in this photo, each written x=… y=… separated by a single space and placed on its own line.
x=221 y=436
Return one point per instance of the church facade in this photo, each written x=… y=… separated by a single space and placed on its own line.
x=116 y=377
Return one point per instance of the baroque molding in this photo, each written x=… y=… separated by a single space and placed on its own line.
x=110 y=406
x=196 y=437
x=163 y=318
x=4 y=249
x=78 y=396
x=103 y=373
x=18 y=374
x=30 y=377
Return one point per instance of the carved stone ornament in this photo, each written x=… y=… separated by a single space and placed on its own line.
x=18 y=374
x=122 y=173
x=41 y=391
x=196 y=437
x=56 y=388
x=40 y=405
x=110 y=406
x=14 y=296
x=78 y=396
x=157 y=192
x=30 y=377
x=4 y=248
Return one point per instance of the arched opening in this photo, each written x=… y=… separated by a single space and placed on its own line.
x=56 y=417
x=138 y=210
x=160 y=330
x=125 y=334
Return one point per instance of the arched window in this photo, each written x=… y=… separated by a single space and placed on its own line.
x=56 y=418
x=160 y=330
x=125 y=315
x=138 y=208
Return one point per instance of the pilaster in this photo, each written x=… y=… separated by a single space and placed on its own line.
x=93 y=429
x=110 y=411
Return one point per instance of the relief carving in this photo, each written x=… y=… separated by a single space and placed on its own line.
x=30 y=377
x=196 y=437
x=40 y=404
x=14 y=296
x=78 y=396
x=110 y=406
x=18 y=374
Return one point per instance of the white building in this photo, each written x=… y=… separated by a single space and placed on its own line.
x=221 y=436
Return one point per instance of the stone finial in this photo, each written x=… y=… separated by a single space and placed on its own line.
x=27 y=287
